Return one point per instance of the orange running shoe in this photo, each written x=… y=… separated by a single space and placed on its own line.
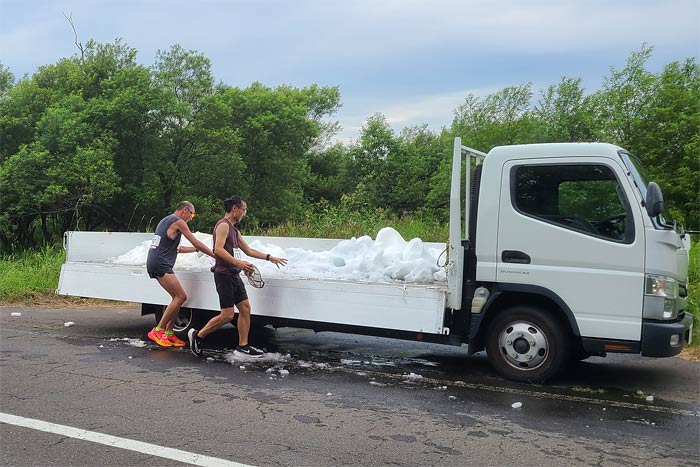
x=174 y=340
x=159 y=337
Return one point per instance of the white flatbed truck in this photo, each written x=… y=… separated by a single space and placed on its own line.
x=563 y=253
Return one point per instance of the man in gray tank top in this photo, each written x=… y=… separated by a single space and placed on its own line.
x=228 y=281
x=165 y=246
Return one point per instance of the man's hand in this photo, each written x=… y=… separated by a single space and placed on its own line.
x=246 y=266
x=278 y=261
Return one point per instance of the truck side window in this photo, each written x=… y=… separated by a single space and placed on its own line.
x=586 y=198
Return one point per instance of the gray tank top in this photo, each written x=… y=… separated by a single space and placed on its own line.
x=163 y=252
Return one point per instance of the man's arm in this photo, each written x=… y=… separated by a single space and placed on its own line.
x=253 y=253
x=197 y=245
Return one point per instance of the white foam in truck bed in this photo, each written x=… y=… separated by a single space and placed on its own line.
x=399 y=306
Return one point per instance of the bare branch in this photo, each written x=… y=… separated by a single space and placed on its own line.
x=79 y=45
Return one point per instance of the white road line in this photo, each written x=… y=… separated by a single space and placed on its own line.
x=122 y=443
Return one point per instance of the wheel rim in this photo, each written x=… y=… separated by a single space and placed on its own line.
x=183 y=320
x=523 y=345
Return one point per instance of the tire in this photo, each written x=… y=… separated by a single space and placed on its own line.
x=187 y=319
x=527 y=344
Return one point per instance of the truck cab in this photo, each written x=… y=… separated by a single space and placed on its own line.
x=573 y=258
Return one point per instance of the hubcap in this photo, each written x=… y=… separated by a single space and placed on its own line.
x=523 y=345
x=183 y=320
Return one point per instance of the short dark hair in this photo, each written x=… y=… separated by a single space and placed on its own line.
x=232 y=201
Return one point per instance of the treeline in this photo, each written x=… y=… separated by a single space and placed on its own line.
x=97 y=141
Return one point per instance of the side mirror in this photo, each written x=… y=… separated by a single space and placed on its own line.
x=655 y=200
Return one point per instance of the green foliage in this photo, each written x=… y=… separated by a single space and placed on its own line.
x=669 y=139
x=390 y=172
x=497 y=119
x=563 y=113
x=327 y=178
x=276 y=128
x=97 y=141
x=657 y=118
x=30 y=273
x=350 y=219
x=7 y=79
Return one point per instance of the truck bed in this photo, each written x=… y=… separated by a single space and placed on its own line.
x=399 y=306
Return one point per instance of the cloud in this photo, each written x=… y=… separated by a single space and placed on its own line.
x=435 y=110
x=279 y=38
x=412 y=60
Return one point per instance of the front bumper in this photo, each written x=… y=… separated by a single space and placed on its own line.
x=664 y=339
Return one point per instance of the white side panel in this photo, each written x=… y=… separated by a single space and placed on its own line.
x=96 y=247
x=415 y=308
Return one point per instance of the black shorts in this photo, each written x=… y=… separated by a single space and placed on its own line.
x=155 y=274
x=230 y=289
x=157 y=267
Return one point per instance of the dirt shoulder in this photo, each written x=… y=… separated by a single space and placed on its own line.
x=60 y=301
x=690 y=353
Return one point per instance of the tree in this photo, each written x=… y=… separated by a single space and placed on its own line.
x=563 y=113
x=185 y=83
x=668 y=139
x=61 y=142
x=623 y=100
x=327 y=178
x=276 y=130
x=403 y=181
x=497 y=119
x=7 y=80
x=657 y=118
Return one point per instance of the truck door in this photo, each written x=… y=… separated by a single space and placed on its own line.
x=570 y=228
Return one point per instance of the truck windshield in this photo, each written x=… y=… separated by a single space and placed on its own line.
x=641 y=177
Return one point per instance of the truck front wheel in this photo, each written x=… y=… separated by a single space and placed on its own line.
x=526 y=344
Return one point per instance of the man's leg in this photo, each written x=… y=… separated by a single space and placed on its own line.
x=243 y=322
x=171 y=285
x=216 y=322
x=225 y=290
x=243 y=330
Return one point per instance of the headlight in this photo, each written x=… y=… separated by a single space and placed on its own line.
x=661 y=286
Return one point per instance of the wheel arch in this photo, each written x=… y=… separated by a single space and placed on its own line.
x=505 y=296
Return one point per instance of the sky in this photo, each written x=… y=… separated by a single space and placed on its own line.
x=414 y=61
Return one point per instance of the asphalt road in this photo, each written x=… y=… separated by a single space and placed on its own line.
x=320 y=399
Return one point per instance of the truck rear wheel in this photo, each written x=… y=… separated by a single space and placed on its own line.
x=527 y=344
x=187 y=319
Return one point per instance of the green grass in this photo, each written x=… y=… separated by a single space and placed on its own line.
x=32 y=273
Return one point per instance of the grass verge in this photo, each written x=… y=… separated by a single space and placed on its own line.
x=30 y=274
